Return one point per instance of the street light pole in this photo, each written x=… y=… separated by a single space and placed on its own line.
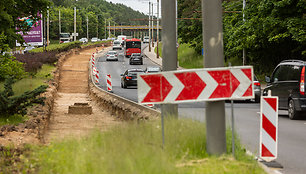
x=243 y=51
x=109 y=33
x=105 y=28
x=74 y=23
x=213 y=57
x=152 y=26
x=87 y=27
x=149 y=26
x=59 y=23
x=157 y=33
x=48 y=27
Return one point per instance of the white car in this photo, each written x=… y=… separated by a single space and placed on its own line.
x=84 y=40
x=94 y=39
x=112 y=55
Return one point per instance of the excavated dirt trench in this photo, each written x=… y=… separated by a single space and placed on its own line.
x=73 y=88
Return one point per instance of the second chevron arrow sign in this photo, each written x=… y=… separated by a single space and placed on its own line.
x=209 y=84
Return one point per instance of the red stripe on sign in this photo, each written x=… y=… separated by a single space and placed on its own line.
x=272 y=102
x=223 y=89
x=160 y=87
x=109 y=82
x=248 y=73
x=193 y=85
x=265 y=152
x=268 y=127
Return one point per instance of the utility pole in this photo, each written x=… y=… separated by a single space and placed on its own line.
x=157 y=32
x=74 y=23
x=109 y=33
x=105 y=28
x=48 y=27
x=97 y=26
x=152 y=25
x=87 y=27
x=114 y=29
x=243 y=51
x=149 y=26
x=59 y=24
x=169 y=61
x=213 y=57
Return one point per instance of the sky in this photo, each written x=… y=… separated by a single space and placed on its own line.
x=139 y=5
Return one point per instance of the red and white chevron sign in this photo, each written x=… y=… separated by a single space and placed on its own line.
x=268 y=128
x=196 y=85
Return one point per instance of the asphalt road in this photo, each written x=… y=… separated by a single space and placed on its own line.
x=292 y=133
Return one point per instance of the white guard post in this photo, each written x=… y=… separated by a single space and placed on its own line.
x=268 y=128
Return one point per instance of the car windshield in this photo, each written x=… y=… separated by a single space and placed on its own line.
x=133 y=44
x=116 y=42
x=153 y=69
x=112 y=52
x=134 y=73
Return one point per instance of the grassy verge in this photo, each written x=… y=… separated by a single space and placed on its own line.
x=187 y=57
x=137 y=148
x=58 y=47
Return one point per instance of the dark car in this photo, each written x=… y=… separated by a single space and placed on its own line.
x=288 y=83
x=136 y=59
x=257 y=89
x=129 y=78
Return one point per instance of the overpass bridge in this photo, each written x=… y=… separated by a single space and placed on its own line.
x=132 y=27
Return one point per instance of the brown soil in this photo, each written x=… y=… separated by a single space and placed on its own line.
x=73 y=88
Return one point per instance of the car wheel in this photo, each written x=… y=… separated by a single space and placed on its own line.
x=124 y=85
x=292 y=113
x=121 y=85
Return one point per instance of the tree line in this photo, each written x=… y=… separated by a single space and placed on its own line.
x=270 y=31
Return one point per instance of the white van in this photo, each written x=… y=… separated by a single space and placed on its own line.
x=122 y=38
x=146 y=39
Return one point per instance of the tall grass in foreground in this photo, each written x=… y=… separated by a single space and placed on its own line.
x=137 y=148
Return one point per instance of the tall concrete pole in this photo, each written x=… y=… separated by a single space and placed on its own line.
x=74 y=24
x=214 y=57
x=157 y=32
x=105 y=27
x=109 y=32
x=243 y=51
x=59 y=23
x=114 y=29
x=152 y=26
x=97 y=26
x=169 y=61
x=149 y=26
x=87 y=27
x=48 y=26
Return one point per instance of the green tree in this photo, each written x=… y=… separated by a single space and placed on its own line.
x=11 y=10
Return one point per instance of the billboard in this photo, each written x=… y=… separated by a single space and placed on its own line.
x=35 y=35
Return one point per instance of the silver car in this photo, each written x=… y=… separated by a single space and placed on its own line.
x=112 y=55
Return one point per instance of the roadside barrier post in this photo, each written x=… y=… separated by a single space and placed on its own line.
x=109 y=83
x=97 y=77
x=268 y=128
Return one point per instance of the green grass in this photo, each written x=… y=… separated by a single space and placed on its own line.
x=12 y=120
x=137 y=148
x=27 y=84
x=187 y=56
x=30 y=83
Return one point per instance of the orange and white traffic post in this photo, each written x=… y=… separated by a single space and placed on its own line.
x=109 y=83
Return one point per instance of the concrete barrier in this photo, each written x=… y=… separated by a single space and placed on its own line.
x=118 y=106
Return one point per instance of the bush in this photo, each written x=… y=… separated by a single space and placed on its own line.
x=34 y=61
x=9 y=67
x=58 y=47
x=10 y=105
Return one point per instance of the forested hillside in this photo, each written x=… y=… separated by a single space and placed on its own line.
x=97 y=11
x=273 y=30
